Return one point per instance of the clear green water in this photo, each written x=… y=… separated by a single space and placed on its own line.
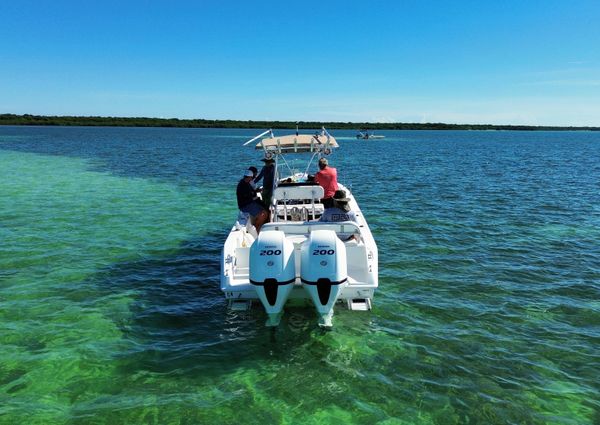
x=488 y=310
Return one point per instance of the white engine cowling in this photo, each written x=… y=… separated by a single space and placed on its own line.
x=324 y=271
x=272 y=271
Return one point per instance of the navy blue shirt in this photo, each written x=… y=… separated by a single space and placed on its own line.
x=245 y=193
x=268 y=173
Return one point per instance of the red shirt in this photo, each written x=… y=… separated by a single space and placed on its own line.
x=327 y=178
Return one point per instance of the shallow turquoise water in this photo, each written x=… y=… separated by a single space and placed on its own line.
x=488 y=310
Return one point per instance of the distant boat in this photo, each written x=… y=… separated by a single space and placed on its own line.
x=364 y=134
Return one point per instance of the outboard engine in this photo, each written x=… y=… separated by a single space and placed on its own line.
x=272 y=271
x=324 y=271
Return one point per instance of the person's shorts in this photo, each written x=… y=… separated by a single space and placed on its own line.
x=253 y=208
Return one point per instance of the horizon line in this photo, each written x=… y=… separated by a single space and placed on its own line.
x=6 y=118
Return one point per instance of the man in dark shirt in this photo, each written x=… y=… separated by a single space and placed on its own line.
x=268 y=175
x=246 y=203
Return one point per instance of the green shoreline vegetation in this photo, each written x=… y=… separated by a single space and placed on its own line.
x=27 y=119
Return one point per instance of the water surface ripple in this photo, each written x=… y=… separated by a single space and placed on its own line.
x=488 y=310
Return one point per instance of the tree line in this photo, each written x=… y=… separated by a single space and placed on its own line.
x=27 y=119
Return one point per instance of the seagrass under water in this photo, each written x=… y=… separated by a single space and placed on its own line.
x=488 y=310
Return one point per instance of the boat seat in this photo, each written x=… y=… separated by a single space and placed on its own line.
x=346 y=228
x=312 y=192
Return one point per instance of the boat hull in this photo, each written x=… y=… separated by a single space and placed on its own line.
x=360 y=255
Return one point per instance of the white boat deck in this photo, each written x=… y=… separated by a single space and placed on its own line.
x=295 y=245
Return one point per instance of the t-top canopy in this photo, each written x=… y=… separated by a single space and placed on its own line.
x=299 y=143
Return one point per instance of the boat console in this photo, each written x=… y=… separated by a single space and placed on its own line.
x=297 y=203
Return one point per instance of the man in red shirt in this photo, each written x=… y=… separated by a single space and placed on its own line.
x=327 y=179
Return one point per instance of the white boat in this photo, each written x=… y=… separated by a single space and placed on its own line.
x=296 y=258
x=364 y=134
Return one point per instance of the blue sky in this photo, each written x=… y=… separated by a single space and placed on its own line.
x=500 y=62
